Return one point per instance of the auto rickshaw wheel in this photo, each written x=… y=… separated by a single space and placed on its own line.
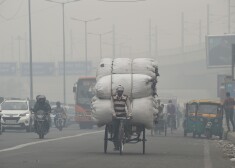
x=194 y=134
x=208 y=134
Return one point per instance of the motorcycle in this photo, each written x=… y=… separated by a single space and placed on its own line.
x=41 y=122
x=59 y=122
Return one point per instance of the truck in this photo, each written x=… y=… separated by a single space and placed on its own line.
x=84 y=90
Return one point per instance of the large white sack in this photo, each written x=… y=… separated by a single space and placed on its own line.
x=139 y=87
x=142 y=111
x=144 y=66
x=104 y=68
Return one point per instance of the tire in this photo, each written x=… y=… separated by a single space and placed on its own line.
x=28 y=129
x=60 y=125
x=208 y=134
x=0 y=128
x=194 y=134
x=144 y=140
x=121 y=137
x=106 y=139
x=165 y=128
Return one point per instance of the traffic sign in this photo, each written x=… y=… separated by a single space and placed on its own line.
x=75 y=68
x=7 y=68
x=39 y=69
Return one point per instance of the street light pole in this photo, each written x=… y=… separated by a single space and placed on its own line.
x=100 y=38
x=64 y=73
x=64 y=68
x=30 y=53
x=86 y=46
x=85 y=22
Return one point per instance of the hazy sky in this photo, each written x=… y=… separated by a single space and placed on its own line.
x=131 y=21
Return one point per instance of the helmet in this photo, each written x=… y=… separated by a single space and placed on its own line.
x=37 y=97
x=120 y=88
x=58 y=103
x=41 y=98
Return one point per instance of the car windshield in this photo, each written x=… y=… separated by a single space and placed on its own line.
x=192 y=108
x=85 y=90
x=208 y=109
x=14 y=106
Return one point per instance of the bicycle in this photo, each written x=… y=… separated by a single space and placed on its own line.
x=126 y=132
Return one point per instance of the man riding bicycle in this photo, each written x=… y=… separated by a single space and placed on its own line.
x=171 y=114
x=119 y=104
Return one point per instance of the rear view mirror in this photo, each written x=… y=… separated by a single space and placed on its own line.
x=74 y=89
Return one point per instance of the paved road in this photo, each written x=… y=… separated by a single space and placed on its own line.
x=84 y=149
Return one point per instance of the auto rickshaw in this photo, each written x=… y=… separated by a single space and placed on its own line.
x=204 y=117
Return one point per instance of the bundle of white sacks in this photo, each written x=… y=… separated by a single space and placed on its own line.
x=136 y=76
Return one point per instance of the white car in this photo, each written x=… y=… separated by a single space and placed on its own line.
x=16 y=114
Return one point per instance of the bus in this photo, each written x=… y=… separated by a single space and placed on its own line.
x=84 y=90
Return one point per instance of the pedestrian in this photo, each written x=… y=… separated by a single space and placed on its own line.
x=228 y=107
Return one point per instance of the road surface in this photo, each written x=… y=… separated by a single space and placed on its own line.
x=84 y=149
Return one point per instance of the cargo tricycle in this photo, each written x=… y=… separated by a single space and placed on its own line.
x=128 y=133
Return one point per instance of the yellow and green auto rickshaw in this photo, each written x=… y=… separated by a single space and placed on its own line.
x=204 y=117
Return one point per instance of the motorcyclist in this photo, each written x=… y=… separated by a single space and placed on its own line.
x=59 y=110
x=171 y=113
x=119 y=104
x=41 y=104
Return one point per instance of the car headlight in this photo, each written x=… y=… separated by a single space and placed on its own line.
x=24 y=114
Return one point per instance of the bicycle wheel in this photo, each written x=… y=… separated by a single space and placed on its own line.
x=144 y=140
x=165 y=127
x=171 y=122
x=121 y=137
x=106 y=139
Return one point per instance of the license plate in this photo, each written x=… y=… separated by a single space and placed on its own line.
x=11 y=122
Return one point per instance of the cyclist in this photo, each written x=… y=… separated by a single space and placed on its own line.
x=119 y=104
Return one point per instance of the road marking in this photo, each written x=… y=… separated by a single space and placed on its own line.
x=207 y=158
x=49 y=140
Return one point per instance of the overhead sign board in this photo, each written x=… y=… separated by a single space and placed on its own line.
x=39 y=69
x=75 y=68
x=7 y=68
x=219 y=50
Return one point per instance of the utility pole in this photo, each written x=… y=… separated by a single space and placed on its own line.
x=19 y=61
x=208 y=19
x=100 y=39
x=114 y=44
x=182 y=32
x=30 y=53
x=229 y=16
x=156 y=42
x=63 y=27
x=150 y=38
x=85 y=23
